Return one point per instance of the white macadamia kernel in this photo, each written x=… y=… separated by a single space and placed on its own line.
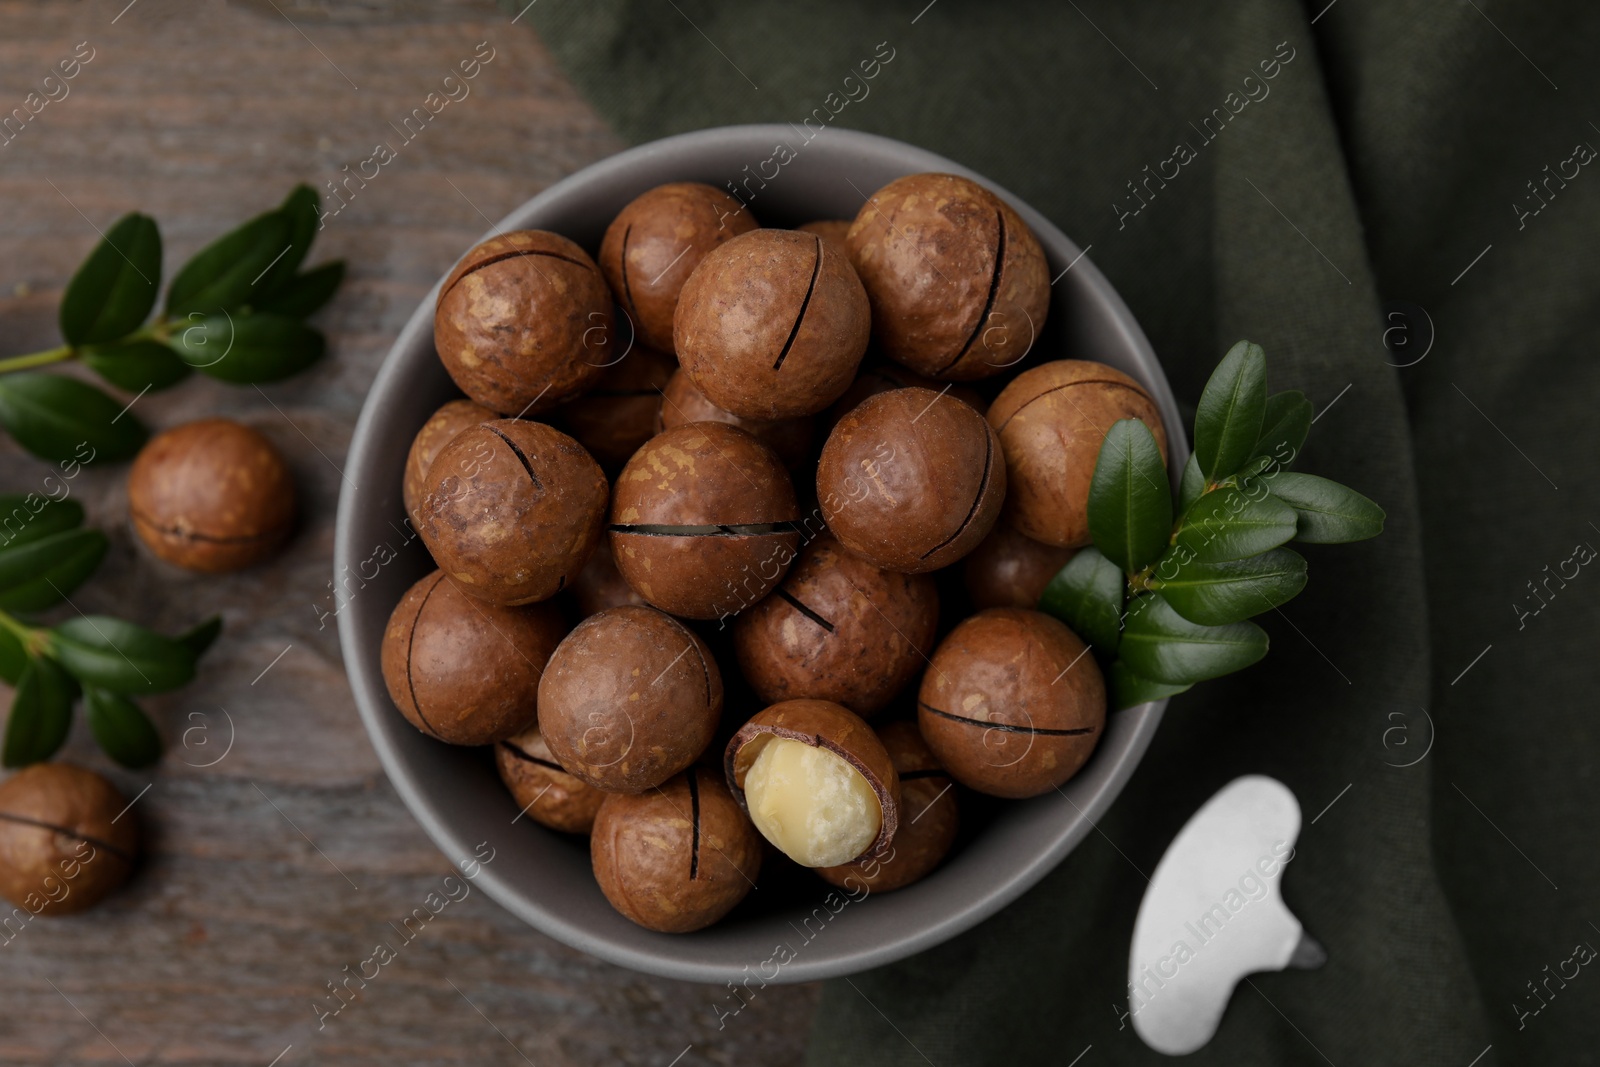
x=811 y=803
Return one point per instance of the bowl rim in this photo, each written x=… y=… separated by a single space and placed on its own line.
x=371 y=696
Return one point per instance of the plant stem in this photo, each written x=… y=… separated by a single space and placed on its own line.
x=37 y=359
x=27 y=635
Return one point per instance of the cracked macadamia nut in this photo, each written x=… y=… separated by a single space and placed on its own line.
x=817 y=782
x=462 y=670
x=657 y=241
x=702 y=520
x=838 y=629
x=600 y=585
x=549 y=795
x=677 y=858
x=512 y=510
x=524 y=321
x=682 y=403
x=958 y=283
x=630 y=698
x=66 y=839
x=619 y=414
x=831 y=230
x=928 y=829
x=880 y=376
x=910 y=480
x=440 y=429
x=211 y=496
x=1010 y=570
x=1051 y=420
x=1012 y=703
x=773 y=325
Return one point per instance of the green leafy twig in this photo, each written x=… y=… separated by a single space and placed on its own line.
x=45 y=553
x=1166 y=603
x=233 y=312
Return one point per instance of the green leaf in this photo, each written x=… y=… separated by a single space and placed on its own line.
x=121 y=656
x=113 y=291
x=1087 y=595
x=42 y=573
x=1285 y=427
x=1229 y=523
x=1165 y=647
x=1130 y=500
x=41 y=714
x=120 y=728
x=137 y=365
x=1227 y=423
x=1193 y=485
x=246 y=348
x=54 y=417
x=1129 y=688
x=22 y=521
x=200 y=637
x=226 y=272
x=299 y=211
x=305 y=293
x=13 y=657
x=1329 y=513
x=1215 y=594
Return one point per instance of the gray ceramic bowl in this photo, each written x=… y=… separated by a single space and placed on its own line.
x=545 y=878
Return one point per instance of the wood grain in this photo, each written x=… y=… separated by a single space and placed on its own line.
x=272 y=867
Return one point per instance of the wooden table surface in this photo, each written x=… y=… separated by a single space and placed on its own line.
x=273 y=866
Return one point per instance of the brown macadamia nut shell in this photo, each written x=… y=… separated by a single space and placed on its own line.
x=927 y=832
x=63 y=846
x=462 y=670
x=1051 y=421
x=772 y=325
x=831 y=726
x=1012 y=704
x=838 y=629
x=701 y=520
x=549 y=795
x=831 y=230
x=211 y=496
x=677 y=858
x=881 y=375
x=958 y=283
x=513 y=510
x=1010 y=570
x=911 y=480
x=523 y=322
x=682 y=403
x=657 y=241
x=629 y=699
x=619 y=414
x=600 y=585
x=440 y=429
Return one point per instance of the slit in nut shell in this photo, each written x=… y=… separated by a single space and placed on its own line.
x=543 y=790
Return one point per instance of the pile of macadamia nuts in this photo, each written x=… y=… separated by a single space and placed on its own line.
x=698 y=524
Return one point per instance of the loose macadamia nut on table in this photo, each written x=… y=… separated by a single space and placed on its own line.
x=440 y=429
x=929 y=818
x=838 y=629
x=657 y=241
x=831 y=230
x=619 y=414
x=1010 y=570
x=702 y=520
x=682 y=403
x=512 y=510
x=524 y=321
x=629 y=699
x=817 y=782
x=910 y=480
x=772 y=325
x=677 y=858
x=1012 y=703
x=958 y=283
x=1051 y=420
x=600 y=585
x=463 y=670
x=211 y=496
x=63 y=847
x=549 y=795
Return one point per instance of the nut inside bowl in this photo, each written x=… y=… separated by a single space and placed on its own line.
x=544 y=877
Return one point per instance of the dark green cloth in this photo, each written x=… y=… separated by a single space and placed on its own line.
x=1393 y=149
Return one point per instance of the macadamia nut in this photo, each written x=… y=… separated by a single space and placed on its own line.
x=809 y=802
